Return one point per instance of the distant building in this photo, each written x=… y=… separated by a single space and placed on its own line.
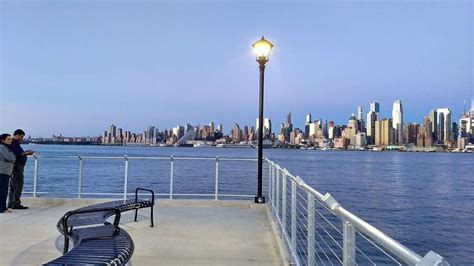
x=360 y=140
x=341 y=143
x=471 y=120
x=425 y=134
x=375 y=107
x=433 y=117
x=372 y=116
x=411 y=133
x=308 y=118
x=383 y=133
x=236 y=133
x=352 y=123
x=397 y=118
x=360 y=119
x=444 y=129
x=267 y=127
x=359 y=112
x=112 y=134
x=206 y=132
x=331 y=130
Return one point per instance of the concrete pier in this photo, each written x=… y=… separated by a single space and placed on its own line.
x=186 y=232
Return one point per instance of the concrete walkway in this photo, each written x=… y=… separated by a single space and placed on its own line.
x=187 y=232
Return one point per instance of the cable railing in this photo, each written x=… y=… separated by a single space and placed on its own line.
x=125 y=161
x=317 y=230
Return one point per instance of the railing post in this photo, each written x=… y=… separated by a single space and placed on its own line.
x=216 y=193
x=35 y=176
x=79 y=186
x=270 y=194
x=349 y=258
x=311 y=231
x=171 y=176
x=274 y=169
x=293 y=217
x=283 y=205
x=125 y=182
x=277 y=191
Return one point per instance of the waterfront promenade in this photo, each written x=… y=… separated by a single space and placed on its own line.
x=186 y=232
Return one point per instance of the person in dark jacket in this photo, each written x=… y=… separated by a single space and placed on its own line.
x=7 y=161
x=16 y=182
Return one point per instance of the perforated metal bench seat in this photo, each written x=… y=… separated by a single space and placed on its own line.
x=101 y=217
x=99 y=245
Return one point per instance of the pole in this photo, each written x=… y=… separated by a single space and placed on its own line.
x=81 y=173
x=259 y=198
x=35 y=176
x=125 y=179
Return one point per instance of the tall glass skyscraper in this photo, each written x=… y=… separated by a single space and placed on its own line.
x=397 y=118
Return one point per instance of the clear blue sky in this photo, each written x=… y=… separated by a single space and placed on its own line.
x=74 y=67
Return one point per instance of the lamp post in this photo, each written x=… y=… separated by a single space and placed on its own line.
x=262 y=49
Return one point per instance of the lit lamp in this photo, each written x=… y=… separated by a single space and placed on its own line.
x=262 y=49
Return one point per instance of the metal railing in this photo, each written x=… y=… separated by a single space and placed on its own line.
x=126 y=160
x=317 y=230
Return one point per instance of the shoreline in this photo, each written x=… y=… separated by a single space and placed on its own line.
x=246 y=146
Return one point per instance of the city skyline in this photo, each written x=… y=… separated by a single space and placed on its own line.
x=72 y=67
x=373 y=106
x=438 y=131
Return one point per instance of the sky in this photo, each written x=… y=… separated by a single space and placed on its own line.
x=74 y=67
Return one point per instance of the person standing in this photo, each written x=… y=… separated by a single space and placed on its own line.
x=16 y=182
x=7 y=161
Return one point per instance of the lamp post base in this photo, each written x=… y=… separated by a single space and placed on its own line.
x=259 y=200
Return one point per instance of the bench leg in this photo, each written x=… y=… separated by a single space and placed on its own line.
x=136 y=213
x=151 y=216
x=66 y=242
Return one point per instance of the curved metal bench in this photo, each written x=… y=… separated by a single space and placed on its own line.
x=103 y=244
x=121 y=205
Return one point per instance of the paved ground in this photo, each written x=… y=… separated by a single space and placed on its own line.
x=187 y=232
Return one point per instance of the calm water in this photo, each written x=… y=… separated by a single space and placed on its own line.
x=424 y=200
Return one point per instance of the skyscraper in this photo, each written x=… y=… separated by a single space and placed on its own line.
x=372 y=116
x=397 y=118
x=445 y=127
x=306 y=125
x=359 y=112
x=411 y=133
x=375 y=107
x=237 y=133
x=220 y=128
x=331 y=130
x=433 y=117
x=267 y=127
x=308 y=118
x=112 y=134
x=211 y=125
x=383 y=132
x=471 y=114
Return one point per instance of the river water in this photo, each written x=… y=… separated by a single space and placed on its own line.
x=423 y=200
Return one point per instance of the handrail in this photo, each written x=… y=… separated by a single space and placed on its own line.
x=142 y=157
x=396 y=248
x=126 y=159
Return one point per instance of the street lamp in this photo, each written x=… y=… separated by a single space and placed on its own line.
x=262 y=49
